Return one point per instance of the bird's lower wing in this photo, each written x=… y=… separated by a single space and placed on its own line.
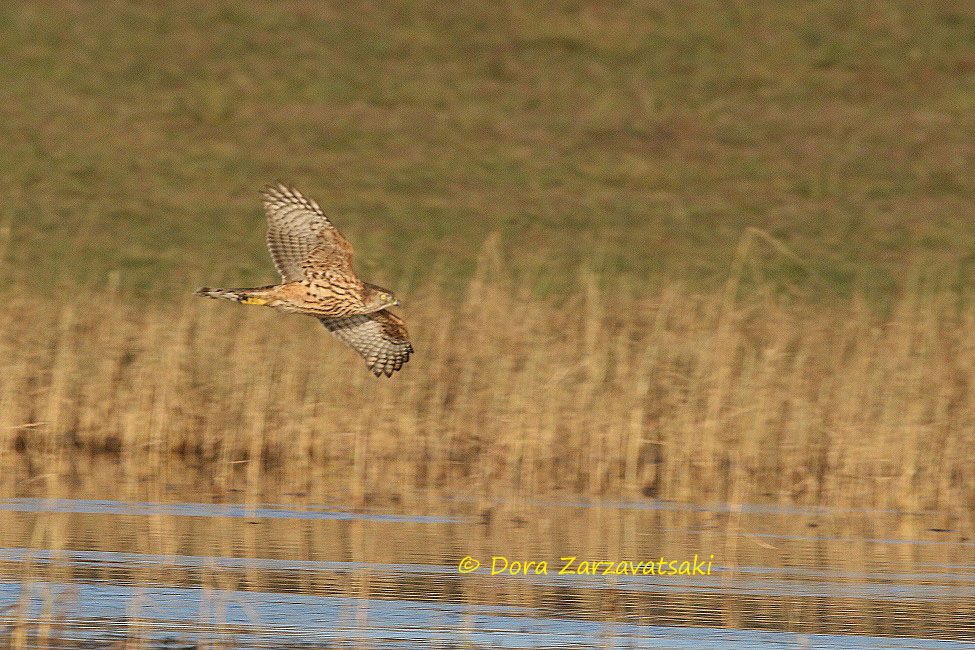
x=380 y=338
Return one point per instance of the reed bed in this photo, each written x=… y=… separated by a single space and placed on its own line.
x=677 y=395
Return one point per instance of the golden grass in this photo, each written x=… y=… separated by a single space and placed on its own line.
x=678 y=396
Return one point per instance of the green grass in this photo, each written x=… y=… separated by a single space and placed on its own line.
x=639 y=140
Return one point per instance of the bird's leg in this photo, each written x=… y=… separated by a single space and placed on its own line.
x=253 y=300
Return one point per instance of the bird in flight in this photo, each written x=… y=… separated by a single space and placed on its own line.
x=315 y=263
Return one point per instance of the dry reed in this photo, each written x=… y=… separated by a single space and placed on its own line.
x=678 y=396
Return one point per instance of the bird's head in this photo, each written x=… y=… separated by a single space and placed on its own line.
x=379 y=298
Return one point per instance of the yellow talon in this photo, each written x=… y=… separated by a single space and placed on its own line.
x=254 y=301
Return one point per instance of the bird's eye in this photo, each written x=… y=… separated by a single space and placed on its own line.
x=384 y=297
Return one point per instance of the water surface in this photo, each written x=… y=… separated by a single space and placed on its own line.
x=266 y=568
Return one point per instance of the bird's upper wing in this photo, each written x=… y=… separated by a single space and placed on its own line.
x=380 y=338
x=297 y=227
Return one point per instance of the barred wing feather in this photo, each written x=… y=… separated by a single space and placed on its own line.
x=380 y=338
x=296 y=226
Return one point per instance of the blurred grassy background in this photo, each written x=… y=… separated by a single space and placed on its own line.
x=637 y=139
x=722 y=195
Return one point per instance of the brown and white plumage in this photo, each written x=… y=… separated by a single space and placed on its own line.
x=296 y=226
x=315 y=263
x=380 y=337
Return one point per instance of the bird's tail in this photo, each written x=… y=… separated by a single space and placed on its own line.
x=252 y=296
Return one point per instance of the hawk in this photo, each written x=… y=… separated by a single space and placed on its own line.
x=315 y=263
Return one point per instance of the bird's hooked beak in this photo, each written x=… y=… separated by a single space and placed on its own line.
x=396 y=303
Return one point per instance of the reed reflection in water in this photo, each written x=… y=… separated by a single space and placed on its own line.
x=162 y=563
